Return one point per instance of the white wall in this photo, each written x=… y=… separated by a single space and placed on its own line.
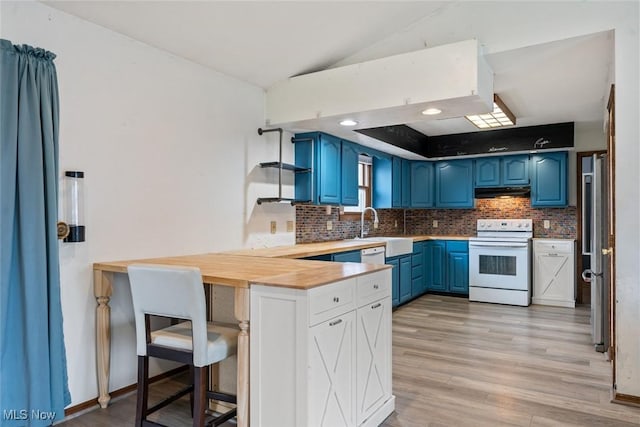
x=169 y=150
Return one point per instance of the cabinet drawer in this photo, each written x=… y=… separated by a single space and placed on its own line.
x=374 y=286
x=331 y=300
x=457 y=245
x=416 y=259
x=553 y=246
x=416 y=271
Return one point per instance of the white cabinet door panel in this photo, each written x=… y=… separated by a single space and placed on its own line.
x=331 y=379
x=373 y=375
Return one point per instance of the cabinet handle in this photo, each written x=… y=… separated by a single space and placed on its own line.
x=375 y=286
x=552 y=254
x=335 y=322
x=376 y=305
x=336 y=299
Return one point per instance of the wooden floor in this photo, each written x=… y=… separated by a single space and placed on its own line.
x=457 y=363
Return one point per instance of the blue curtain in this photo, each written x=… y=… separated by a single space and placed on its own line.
x=33 y=368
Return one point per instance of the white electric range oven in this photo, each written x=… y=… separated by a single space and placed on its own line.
x=500 y=261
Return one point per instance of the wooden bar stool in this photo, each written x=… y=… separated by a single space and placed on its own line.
x=177 y=292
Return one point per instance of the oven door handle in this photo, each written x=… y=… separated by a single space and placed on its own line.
x=497 y=245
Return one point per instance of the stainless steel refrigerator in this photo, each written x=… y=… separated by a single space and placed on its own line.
x=595 y=244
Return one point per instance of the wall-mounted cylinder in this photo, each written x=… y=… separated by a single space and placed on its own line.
x=74 y=205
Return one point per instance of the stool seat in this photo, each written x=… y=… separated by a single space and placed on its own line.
x=222 y=342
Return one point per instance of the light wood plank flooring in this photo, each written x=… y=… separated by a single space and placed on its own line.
x=457 y=363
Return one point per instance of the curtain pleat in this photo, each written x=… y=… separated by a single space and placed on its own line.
x=33 y=369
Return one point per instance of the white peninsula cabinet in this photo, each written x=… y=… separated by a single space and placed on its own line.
x=322 y=356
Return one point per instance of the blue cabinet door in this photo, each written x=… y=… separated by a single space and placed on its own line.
x=454 y=184
x=487 y=172
x=434 y=265
x=458 y=272
x=405 y=278
x=396 y=182
x=405 y=195
x=382 y=183
x=329 y=180
x=549 y=179
x=303 y=154
x=395 y=280
x=458 y=266
x=515 y=170
x=422 y=183
x=350 y=256
x=349 y=163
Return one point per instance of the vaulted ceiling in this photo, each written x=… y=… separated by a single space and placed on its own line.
x=264 y=42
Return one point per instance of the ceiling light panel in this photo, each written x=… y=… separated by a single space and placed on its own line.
x=499 y=117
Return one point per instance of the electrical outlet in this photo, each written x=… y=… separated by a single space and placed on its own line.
x=328 y=210
x=329 y=225
x=289 y=226
x=273 y=227
x=395 y=223
x=547 y=225
x=435 y=223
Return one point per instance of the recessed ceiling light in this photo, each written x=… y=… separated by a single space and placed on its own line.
x=431 y=111
x=348 y=122
x=499 y=117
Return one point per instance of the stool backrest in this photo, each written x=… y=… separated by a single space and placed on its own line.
x=171 y=292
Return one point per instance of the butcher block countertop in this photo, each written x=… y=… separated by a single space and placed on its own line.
x=240 y=271
x=304 y=250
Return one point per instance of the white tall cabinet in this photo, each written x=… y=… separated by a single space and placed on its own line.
x=554 y=272
x=322 y=356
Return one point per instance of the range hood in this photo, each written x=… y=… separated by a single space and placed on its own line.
x=495 y=192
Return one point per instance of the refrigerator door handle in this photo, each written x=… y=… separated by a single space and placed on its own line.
x=588 y=275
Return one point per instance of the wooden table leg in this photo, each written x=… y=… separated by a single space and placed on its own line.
x=242 y=314
x=102 y=288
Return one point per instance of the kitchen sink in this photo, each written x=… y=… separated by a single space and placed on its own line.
x=395 y=246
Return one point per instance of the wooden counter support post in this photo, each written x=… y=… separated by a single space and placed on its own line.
x=102 y=288
x=242 y=313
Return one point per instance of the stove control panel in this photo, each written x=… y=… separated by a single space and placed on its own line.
x=505 y=225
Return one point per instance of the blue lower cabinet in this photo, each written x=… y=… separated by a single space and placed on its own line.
x=434 y=265
x=400 y=279
x=417 y=270
x=325 y=257
x=395 y=280
x=446 y=266
x=351 y=256
x=405 y=278
x=458 y=272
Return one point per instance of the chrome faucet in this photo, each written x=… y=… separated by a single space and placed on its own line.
x=375 y=220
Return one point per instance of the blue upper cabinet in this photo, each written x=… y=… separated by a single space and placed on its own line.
x=329 y=170
x=396 y=182
x=334 y=162
x=488 y=172
x=422 y=183
x=454 y=184
x=349 y=163
x=515 y=170
x=400 y=182
x=549 y=179
x=383 y=183
x=503 y=171
x=405 y=195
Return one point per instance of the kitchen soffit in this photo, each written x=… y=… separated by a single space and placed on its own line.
x=454 y=78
